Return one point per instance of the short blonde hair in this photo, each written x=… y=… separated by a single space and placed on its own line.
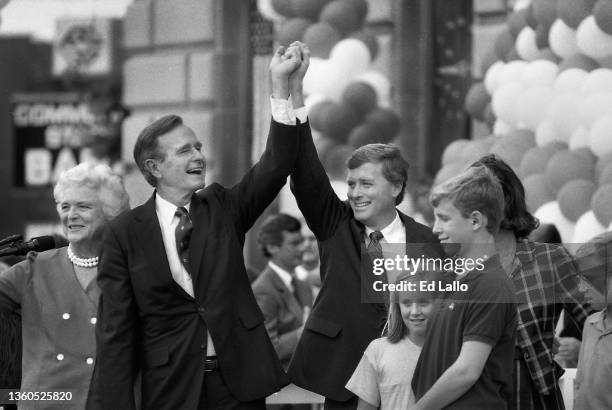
x=99 y=177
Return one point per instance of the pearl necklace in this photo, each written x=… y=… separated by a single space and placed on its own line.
x=82 y=262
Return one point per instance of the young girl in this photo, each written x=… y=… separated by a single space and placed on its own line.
x=383 y=376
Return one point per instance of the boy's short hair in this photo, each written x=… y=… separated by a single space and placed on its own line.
x=394 y=166
x=475 y=189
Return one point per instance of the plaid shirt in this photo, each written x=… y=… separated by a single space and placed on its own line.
x=546 y=282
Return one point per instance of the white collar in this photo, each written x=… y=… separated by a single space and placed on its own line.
x=285 y=276
x=392 y=233
x=166 y=209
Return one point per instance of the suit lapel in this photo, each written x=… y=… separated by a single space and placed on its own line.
x=198 y=236
x=151 y=240
x=290 y=301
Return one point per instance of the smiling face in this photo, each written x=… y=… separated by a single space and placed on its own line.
x=182 y=170
x=455 y=231
x=81 y=215
x=415 y=314
x=372 y=196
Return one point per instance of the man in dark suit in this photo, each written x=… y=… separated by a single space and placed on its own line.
x=284 y=299
x=176 y=305
x=341 y=324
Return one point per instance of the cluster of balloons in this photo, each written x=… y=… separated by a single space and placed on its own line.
x=348 y=101
x=547 y=95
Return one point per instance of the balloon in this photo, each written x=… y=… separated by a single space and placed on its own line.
x=448 y=171
x=605 y=177
x=535 y=159
x=578 y=61
x=491 y=80
x=503 y=44
x=526 y=45
x=562 y=112
x=569 y=80
x=339 y=121
x=385 y=122
x=537 y=192
x=532 y=105
x=599 y=137
x=594 y=106
x=602 y=163
x=547 y=54
x=370 y=40
x=335 y=161
x=454 y=151
x=292 y=30
x=592 y=41
x=502 y=128
x=550 y=213
x=313 y=100
x=587 y=227
x=266 y=9
x=351 y=55
x=545 y=133
x=283 y=7
x=324 y=78
x=381 y=85
x=320 y=38
x=521 y=5
x=342 y=15
x=318 y=113
x=575 y=198
x=597 y=81
x=579 y=138
x=530 y=17
x=603 y=15
x=504 y=102
x=476 y=149
x=308 y=9
x=477 y=100
x=565 y=166
x=361 y=8
x=512 y=146
x=585 y=153
x=562 y=39
x=512 y=72
x=362 y=135
x=572 y=12
x=489 y=116
x=601 y=203
x=545 y=11
x=361 y=97
x=539 y=73
x=517 y=22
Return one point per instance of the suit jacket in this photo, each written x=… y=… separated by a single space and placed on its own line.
x=340 y=326
x=58 y=326
x=148 y=323
x=283 y=312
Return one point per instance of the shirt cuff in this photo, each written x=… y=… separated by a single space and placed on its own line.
x=282 y=111
x=301 y=114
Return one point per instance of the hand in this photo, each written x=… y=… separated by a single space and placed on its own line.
x=296 y=79
x=569 y=349
x=283 y=63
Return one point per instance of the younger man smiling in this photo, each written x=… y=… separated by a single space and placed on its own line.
x=469 y=346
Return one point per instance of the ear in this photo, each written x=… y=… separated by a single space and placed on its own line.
x=396 y=189
x=152 y=165
x=272 y=249
x=478 y=220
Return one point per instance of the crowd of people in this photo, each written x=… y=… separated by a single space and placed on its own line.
x=152 y=307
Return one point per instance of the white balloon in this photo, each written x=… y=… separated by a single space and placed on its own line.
x=599 y=137
x=381 y=85
x=316 y=70
x=587 y=226
x=521 y=4
x=501 y=128
x=579 y=138
x=313 y=100
x=550 y=213
x=539 y=73
x=511 y=72
x=545 y=133
x=562 y=112
x=492 y=76
x=592 y=41
x=351 y=55
x=594 y=106
x=610 y=227
x=532 y=106
x=526 y=45
x=562 y=39
x=504 y=102
x=570 y=80
x=266 y=9
x=597 y=81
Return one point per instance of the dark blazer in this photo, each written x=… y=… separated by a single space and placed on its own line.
x=283 y=312
x=148 y=323
x=340 y=326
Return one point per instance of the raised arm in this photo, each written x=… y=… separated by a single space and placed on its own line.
x=13 y=282
x=116 y=333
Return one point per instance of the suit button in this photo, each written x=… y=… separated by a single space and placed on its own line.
x=60 y=357
x=89 y=360
x=202 y=347
x=66 y=316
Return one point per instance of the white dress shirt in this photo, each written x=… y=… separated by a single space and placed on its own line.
x=283 y=111
x=285 y=276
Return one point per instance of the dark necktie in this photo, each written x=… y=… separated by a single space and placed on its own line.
x=295 y=290
x=182 y=235
x=374 y=247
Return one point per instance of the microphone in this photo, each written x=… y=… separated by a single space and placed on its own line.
x=38 y=244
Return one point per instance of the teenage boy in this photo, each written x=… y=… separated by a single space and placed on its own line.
x=469 y=347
